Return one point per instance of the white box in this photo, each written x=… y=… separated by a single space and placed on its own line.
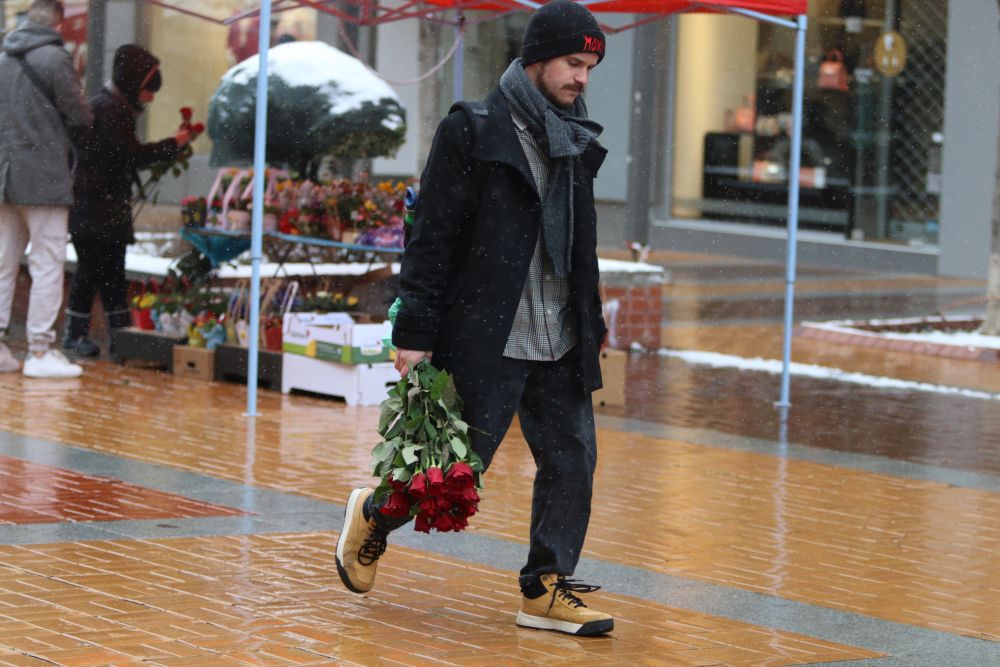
x=336 y=337
x=357 y=384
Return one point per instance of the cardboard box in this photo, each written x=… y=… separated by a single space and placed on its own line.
x=613 y=373
x=194 y=362
x=357 y=384
x=336 y=337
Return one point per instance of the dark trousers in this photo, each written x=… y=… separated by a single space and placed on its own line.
x=557 y=420
x=100 y=269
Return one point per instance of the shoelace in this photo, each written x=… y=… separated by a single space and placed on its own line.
x=373 y=548
x=565 y=589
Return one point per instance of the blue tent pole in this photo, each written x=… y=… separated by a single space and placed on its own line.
x=458 y=65
x=257 y=220
x=793 y=205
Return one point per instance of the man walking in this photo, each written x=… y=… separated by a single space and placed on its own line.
x=41 y=106
x=499 y=286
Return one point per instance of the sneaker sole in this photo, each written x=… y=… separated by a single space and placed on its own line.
x=352 y=502
x=580 y=630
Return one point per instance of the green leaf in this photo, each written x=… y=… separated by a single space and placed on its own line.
x=431 y=431
x=449 y=395
x=461 y=426
x=388 y=415
x=410 y=454
x=459 y=447
x=415 y=423
x=381 y=449
x=381 y=491
x=396 y=429
x=401 y=474
x=437 y=389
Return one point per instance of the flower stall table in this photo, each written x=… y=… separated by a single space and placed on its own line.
x=220 y=246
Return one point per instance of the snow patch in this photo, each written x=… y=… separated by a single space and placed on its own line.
x=957 y=338
x=347 y=83
x=774 y=367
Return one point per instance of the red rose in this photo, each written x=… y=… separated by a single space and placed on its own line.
x=186 y=113
x=422 y=524
x=466 y=495
x=466 y=509
x=418 y=486
x=460 y=475
x=435 y=479
x=398 y=506
x=443 y=523
x=460 y=522
x=198 y=128
x=395 y=484
x=429 y=505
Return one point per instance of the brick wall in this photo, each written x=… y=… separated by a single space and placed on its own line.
x=633 y=309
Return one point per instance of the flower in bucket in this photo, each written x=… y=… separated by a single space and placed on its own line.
x=427 y=469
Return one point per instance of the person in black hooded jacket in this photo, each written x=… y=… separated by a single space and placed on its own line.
x=100 y=221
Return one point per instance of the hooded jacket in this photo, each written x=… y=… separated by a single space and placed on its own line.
x=109 y=158
x=35 y=148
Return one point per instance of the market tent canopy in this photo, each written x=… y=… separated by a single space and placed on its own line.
x=370 y=12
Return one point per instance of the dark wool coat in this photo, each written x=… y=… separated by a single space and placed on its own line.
x=474 y=233
x=109 y=157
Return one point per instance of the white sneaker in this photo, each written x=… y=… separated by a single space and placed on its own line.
x=52 y=364
x=8 y=364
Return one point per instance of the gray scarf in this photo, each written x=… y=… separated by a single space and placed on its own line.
x=562 y=135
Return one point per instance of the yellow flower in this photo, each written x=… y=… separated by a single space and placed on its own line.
x=369 y=205
x=352 y=301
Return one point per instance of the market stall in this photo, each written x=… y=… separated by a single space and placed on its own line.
x=371 y=13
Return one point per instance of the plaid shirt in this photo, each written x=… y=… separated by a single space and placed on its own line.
x=544 y=326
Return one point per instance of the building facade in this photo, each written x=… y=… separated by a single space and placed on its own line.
x=900 y=129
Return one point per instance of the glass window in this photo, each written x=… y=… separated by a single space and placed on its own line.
x=872 y=126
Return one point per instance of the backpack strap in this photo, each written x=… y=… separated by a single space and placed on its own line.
x=476 y=111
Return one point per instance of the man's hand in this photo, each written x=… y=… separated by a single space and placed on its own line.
x=183 y=138
x=407 y=359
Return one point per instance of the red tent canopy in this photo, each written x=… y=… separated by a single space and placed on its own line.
x=651 y=6
x=370 y=12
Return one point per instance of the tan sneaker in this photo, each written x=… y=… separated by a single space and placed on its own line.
x=559 y=609
x=360 y=545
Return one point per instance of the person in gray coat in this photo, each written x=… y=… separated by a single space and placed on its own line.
x=41 y=108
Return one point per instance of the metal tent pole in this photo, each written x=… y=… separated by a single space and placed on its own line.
x=793 y=205
x=257 y=224
x=458 y=72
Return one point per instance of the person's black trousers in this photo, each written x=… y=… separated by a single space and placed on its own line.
x=557 y=420
x=100 y=269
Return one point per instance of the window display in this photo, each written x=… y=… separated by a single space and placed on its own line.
x=872 y=119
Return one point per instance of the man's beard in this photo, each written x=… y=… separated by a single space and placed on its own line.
x=552 y=95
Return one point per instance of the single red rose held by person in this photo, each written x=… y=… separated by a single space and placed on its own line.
x=426 y=465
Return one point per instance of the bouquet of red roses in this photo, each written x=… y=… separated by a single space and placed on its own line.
x=426 y=466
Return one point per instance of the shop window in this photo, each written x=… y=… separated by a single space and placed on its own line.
x=872 y=125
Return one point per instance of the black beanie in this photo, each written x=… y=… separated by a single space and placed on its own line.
x=135 y=69
x=559 y=28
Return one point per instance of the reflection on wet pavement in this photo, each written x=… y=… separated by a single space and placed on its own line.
x=949 y=431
